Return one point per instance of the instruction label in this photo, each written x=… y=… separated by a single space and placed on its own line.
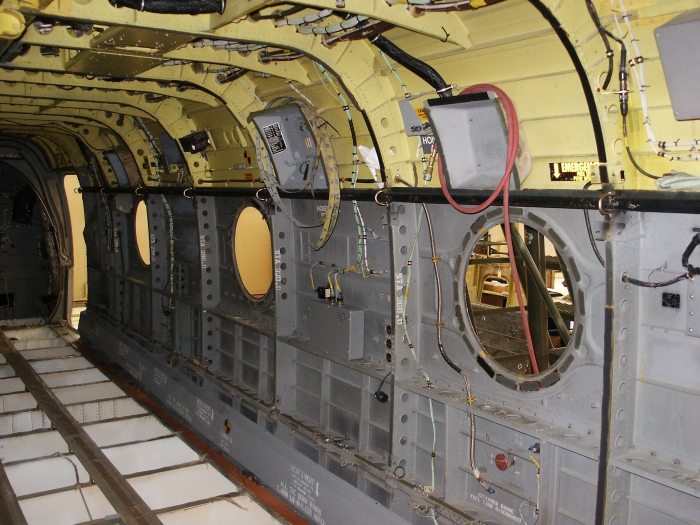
x=179 y=408
x=274 y=138
x=494 y=505
x=302 y=492
x=159 y=377
x=278 y=270
x=135 y=371
x=205 y=412
x=123 y=349
x=399 y=299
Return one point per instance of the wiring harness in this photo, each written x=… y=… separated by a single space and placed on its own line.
x=691 y=270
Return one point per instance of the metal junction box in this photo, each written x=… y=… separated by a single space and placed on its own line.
x=679 y=50
x=337 y=330
x=472 y=140
x=292 y=147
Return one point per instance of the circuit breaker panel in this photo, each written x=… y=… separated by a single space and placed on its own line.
x=292 y=148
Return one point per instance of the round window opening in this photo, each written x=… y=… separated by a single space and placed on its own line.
x=495 y=309
x=252 y=252
x=141 y=229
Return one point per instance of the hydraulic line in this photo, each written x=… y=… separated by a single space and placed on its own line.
x=256 y=16
x=414 y=65
x=659 y=147
x=540 y=284
x=589 y=230
x=691 y=271
x=173 y=7
x=604 y=35
x=585 y=85
x=439 y=324
x=503 y=186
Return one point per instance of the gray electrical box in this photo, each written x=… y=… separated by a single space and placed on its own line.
x=292 y=147
x=679 y=49
x=337 y=330
x=471 y=136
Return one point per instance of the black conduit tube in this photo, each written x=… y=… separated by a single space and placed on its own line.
x=415 y=66
x=173 y=7
x=606 y=409
x=585 y=84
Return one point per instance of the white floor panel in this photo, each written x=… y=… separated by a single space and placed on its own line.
x=47 y=342
x=183 y=485
x=73 y=377
x=161 y=467
x=60 y=365
x=11 y=385
x=127 y=431
x=70 y=395
x=66 y=508
x=17 y=402
x=29 y=446
x=43 y=475
x=103 y=410
x=23 y=422
x=243 y=512
x=22 y=334
x=48 y=353
x=150 y=455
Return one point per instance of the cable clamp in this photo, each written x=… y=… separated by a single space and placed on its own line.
x=440 y=325
x=386 y=199
x=600 y=204
x=263 y=199
x=448 y=88
x=610 y=54
x=346 y=108
x=471 y=400
x=432 y=454
x=435 y=258
x=409 y=263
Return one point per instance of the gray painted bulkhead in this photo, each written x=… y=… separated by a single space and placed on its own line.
x=305 y=421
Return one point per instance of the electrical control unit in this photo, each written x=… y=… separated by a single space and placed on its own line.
x=472 y=140
x=291 y=147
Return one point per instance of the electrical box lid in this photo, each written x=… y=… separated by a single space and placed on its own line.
x=679 y=49
x=472 y=140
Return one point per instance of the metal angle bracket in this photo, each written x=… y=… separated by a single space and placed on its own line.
x=608 y=231
x=693 y=308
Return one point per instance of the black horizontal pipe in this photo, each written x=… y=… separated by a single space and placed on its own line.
x=173 y=7
x=622 y=200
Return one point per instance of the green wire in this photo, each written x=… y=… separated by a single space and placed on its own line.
x=405 y=89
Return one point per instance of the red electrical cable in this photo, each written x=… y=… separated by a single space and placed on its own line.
x=503 y=186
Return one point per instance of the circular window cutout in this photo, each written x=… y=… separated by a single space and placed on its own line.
x=141 y=229
x=493 y=303
x=252 y=252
